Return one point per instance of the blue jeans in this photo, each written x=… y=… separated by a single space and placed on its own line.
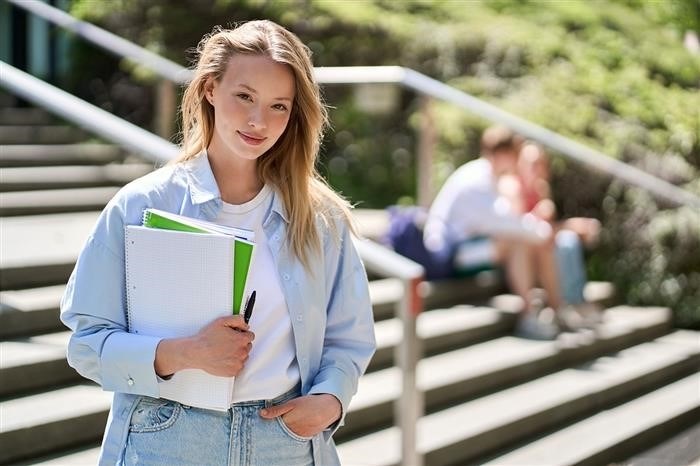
x=571 y=265
x=164 y=432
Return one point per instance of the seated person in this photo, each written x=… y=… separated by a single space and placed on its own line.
x=528 y=191
x=476 y=227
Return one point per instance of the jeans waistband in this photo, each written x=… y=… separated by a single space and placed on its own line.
x=286 y=396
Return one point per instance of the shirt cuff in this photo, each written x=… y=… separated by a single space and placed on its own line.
x=127 y=364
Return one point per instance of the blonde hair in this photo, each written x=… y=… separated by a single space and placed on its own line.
x=290 y=165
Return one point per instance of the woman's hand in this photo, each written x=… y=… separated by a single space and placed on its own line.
x=307 y=415
x=221 y=348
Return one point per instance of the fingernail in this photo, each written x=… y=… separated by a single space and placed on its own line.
x=263 y=412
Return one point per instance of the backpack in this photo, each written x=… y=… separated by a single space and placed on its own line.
x=405 y=236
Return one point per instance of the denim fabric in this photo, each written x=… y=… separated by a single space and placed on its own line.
x=163 y=432
x=571 y=266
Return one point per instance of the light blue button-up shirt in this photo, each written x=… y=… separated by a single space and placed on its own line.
x=330 y=309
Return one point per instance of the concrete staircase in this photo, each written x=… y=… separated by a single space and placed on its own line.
x=590 y=397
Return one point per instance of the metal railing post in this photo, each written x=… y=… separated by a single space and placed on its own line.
x=426 y=148
x=166 y=108
x=409 y=407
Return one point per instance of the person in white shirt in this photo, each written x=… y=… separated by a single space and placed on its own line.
x=478 y=228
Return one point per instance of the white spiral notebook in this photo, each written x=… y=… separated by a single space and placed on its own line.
x=177 y=282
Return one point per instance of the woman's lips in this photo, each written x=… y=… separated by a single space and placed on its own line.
x=250 y=139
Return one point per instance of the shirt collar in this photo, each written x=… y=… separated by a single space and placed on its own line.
x=203 y=187
x=278 y=205
x=202 y=184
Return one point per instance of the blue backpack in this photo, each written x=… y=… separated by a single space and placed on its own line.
x=405 y=236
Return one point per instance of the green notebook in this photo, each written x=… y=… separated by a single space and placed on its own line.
x=242 y=249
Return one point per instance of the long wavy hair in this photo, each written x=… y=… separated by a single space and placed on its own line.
x=290 y=165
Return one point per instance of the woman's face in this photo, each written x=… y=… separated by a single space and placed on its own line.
x=252 y=103
x=533 y=163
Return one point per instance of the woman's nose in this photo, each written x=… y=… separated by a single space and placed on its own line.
x=256 y=119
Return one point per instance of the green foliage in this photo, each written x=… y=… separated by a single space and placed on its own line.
x=654 y=255
x=611 y=74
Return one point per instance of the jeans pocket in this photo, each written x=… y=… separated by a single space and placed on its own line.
x=290 y=432
x=154 y=414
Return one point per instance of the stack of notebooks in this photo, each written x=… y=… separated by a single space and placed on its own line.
x=182 y=273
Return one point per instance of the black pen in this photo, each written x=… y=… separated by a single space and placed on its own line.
x=248 y=309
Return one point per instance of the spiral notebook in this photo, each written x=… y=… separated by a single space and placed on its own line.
x=176 y=283
x=244 y=243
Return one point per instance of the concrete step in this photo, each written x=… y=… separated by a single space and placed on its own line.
x=23 y=116
x=63 y=177
x=51 y=201
x=612 y=435
x=441 y=294
x=40 y=250
x=57 y=419
x=466 y=372
x=682 y=448
x=34 y=363
x=600 y=293
x=38 y=362
x=32 y=241
x=431 y=325
x=30 y=363
x=7 y=99
x=30 y=312
x=469 y=430
x=373 y=223
x=442 y=330
x=384 y=293
x=41 y=134
x=34 y=311
x=26 y=155
x=83 y=456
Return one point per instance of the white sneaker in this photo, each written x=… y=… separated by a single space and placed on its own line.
x=530 y=327
x=582 y=316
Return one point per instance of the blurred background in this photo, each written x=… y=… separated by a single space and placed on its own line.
x=619 y=76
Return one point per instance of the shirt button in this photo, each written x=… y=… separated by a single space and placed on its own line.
x=130 y=382
x=299 y=318
x=286 y=276
x=276 y=237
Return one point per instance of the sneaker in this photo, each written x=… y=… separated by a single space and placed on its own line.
x=573 y=318
x=592 y=313
x=530 y=327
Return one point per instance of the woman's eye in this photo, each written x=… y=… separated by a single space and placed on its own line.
x=245 y=97
x=280 y=107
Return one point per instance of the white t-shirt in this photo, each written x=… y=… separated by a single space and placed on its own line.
x=271 y=368
x=468 y=205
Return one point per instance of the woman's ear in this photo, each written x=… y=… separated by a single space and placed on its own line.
x=209 y=91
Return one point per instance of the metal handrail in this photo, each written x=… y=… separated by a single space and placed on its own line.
x=410 y=406
x=86 y=115
x=406 y=77
x=431 y=87
x=119 y=46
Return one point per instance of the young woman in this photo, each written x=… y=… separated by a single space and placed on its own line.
x=252 y=120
